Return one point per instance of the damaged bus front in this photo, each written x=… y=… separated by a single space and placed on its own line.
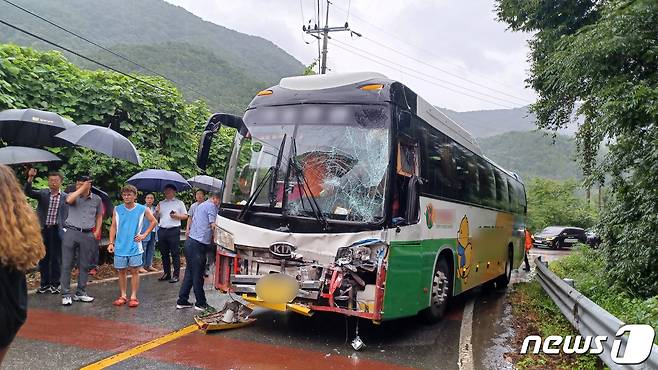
x=350 y=193
x=302 y=220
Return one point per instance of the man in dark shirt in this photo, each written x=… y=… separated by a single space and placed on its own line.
x=85 y=214
x=52 y=210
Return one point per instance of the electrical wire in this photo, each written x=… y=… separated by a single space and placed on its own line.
x=105 y=49
x=444 y=81
x=415 y=74
x=84 y=57
x=429 y=52
x=518 y=100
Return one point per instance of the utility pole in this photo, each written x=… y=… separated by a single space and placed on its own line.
x=317 y=30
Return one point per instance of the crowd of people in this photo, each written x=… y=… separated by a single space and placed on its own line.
x=65 y=232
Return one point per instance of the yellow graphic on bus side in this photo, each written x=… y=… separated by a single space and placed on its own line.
x=464 y=250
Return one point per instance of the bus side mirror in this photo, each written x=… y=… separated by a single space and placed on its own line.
x=413 y=200
x=215 y=122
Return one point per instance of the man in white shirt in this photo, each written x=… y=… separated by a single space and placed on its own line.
x=170 y=212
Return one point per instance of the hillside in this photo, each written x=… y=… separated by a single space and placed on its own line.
x=207 y=55
x=484 y=123
x=229 y=86
x=533 y=153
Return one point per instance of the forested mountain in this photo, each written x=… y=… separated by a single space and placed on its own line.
x=534 y=154
x=483 y=123
x=226 y=65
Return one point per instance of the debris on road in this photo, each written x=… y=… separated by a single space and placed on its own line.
x=234 y=315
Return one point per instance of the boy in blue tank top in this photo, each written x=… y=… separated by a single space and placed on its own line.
x=126 y=238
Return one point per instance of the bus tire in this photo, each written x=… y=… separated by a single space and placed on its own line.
x=440 y=293
x=503 y=280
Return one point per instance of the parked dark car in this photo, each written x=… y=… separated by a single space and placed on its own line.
x=559 y=237
x=593 y=239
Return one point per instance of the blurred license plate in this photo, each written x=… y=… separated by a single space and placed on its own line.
x=570 y=240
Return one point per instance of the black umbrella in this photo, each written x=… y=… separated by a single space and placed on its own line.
x=206 y=183
x=103 y=140
x=105 y=198
x=21 y=154
x=156 y=180
x=32 y=127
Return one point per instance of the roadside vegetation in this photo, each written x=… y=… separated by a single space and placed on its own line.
x=586 y=266
x=556 y=203
x=535 y=314
x=600 y=60
x=163 y=126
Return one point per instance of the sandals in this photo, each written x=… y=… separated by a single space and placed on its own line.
x=132 y=303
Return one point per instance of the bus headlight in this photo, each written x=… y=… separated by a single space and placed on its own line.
x=224 y=239
x=366 y=256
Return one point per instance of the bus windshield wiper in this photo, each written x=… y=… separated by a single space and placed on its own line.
x=271 y=174
x=275 y=175
x=304 y=187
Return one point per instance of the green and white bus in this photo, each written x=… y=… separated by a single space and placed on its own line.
x=351 y=194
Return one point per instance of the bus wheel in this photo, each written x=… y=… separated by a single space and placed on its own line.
x=440 y=293
x=503 y=280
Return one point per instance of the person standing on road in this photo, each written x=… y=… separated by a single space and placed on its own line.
x=126 y=236
x=196 y=247
x=199 y=197
x=171 y=212
x=528 y=246
x=52 y=211
x=149 y=242
x=85 y=214
x=21 y=247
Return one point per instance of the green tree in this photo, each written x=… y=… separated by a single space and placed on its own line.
x=552 y=202
x=162 y=125
x=602 y=57
x=310 y=69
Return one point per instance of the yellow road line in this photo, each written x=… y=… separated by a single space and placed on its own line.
x=109 y=361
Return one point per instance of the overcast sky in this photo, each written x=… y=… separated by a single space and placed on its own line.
x=453 y=53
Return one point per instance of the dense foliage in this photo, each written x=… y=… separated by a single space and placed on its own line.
x=603 y=57
x=552 y=203
x=223 y=64
x=586 y=267
x=160 y=123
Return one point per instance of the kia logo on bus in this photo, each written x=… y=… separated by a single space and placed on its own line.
x=282 y=250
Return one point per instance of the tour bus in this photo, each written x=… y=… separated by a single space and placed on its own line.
x=349 y=193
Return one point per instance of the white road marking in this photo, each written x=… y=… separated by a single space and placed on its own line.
x=465 y=361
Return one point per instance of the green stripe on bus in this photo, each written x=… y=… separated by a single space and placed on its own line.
x=409 y=275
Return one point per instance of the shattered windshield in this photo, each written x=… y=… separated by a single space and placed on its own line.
x=342 y=152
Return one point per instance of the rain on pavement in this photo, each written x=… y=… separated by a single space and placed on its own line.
x=75 y=336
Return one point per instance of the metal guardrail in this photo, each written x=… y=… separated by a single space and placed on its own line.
x=589 y=318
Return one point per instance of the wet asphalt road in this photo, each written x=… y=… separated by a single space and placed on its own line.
x=70 y=337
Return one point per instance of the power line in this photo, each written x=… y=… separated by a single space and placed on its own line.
x=106 y=49
x=426 y=76
x=407 y=42
x=415 y=74
x=84 y=57
x=520 y=100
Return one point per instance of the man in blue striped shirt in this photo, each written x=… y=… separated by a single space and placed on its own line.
x=196 y=246
x=126 y=235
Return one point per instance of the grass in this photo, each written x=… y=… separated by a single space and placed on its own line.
x=536 y=314
x=586 y=267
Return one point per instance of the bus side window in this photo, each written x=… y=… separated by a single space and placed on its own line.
x=487 y=183
x=502 y=199
x=407 y=170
